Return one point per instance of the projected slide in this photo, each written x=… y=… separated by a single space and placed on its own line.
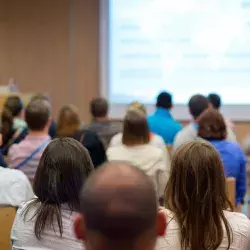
x=183 y=46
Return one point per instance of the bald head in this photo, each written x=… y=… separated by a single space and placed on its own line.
x=119 y=204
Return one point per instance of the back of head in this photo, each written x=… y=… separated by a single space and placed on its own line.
x=119 y=209
x=196 y=193
x=37 y=115
x=164 y=100
x=14 y=104
x=63 y=168
x=197 y=104
x=137 y=106
x=211 y=125
x=68 y=122
x=99 y=108
x=215 y=100
x=135 y=128
x=40 y=96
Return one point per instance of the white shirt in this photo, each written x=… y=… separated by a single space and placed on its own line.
x=155 y=140
x=148 y=158
x=240 y=229
x=15 y=187
x=23 y=236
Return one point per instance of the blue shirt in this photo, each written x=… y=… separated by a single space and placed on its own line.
x=163 y=124
x=234 y=162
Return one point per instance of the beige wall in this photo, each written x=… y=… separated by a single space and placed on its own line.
x=51 y=46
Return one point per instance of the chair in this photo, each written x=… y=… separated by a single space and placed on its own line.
x=7 y=216
x=230 y=183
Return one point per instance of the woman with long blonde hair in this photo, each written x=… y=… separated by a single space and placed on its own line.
x=199 y=214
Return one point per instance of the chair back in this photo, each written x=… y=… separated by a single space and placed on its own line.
x=231 y=190
x=7 y=216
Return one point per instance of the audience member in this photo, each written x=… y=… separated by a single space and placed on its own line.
x=198 y=215
x=46 y=222
x=212 y=127
x=197 y=105
x=15 y=187
x=155 y=139
x=101 y=124
x=69 y=124
x=119 y=210
x=162 y=122
x=25 y=156
x=215 y=101
x=13 y=125
x=137 y=150
x=52 y=128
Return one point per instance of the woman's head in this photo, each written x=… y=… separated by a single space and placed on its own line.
x=196 y=193
x=12 y=108
x=62 y=170
x=68 y=122
x=135 y=128
x=211 y=125
x=137 y=106
x=14 y=104
x=64 y=167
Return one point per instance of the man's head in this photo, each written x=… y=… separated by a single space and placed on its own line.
x=99 y=108
x=38 y=115
x=164 y=100
x=215 y=100
x=119 y=210
x=197 y=104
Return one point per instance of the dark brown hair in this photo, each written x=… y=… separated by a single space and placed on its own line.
x=12 y=107
x=211 y=125
x=68 y=122
x=37 y=114
x=63 y=169
x=196 y=194
x=135 y=128
x=99 y=107
x=197 y=105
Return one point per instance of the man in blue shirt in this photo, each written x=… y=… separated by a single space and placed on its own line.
x=161 y=122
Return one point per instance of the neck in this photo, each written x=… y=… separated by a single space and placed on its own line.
x=38 y=133
x=101 y=119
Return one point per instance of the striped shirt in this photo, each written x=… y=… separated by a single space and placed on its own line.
x=19 y=152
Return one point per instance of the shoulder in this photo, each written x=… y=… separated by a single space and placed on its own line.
x=239 y=222
x=116 y=139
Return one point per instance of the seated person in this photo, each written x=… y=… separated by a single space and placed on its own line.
x=155 y=139
x=13 y=125
x=199 y=214
x=25 y=156
x=69 y=125
x=197 y=105
x=137 y=150
x=212 y=127
x=101 y=124
x=46 y=222
x=215 y=101
x=161 y=122
x=15 y=187
x=119 y=210
x=52 y=128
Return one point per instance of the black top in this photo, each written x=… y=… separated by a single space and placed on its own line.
x=94 y=145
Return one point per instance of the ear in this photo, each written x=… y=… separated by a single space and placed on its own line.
x=79 y=227
x=161 y=223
